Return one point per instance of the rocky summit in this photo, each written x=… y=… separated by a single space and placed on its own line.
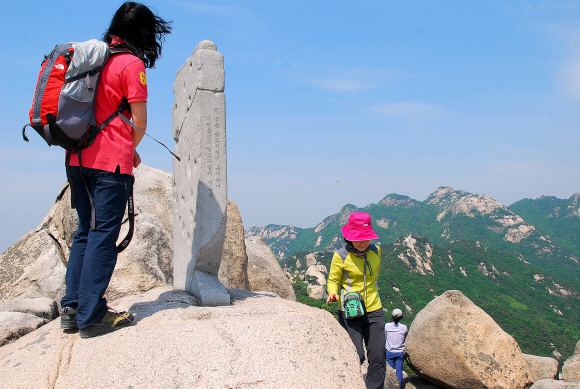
x=260 y=341
x=35 y=266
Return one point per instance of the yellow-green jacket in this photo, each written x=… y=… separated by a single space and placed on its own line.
x=347 y=270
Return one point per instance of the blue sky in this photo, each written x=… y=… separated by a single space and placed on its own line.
x=332 y=102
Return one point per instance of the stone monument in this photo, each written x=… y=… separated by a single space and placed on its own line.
x=200 y=178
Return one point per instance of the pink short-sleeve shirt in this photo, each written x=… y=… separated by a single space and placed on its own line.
x=123 y=76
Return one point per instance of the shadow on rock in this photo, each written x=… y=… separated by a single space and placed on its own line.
x=176 y=299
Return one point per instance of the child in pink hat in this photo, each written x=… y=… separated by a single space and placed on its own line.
x=355 y=268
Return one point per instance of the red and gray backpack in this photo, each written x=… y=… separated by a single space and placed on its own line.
x=63 y=108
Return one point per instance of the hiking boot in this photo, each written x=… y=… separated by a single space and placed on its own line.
x=68 y=318
x=112 y=321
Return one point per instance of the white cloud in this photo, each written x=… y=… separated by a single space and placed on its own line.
x=568 y=77
x=412 y=110
x=566 y=39
x=557 y=22
x=341 y=85
x=355 y=80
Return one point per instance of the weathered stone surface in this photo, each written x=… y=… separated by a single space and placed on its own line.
x=416 y=382
x=577 y=349
x=43 y=307
x=200 y=178
x=316 y=291
x=35 y=266
x=455 y=344
x=233 y=271
x=555 y=384
x=315 y=275
x=14 y=325
x=313 y=271
x=43 y=275
x=260 y=341
x=147 y=262
x=264 y=271
x=61 y=222
x=203 y=70
x=542 y=367
x=571 y=369
x=311 y=259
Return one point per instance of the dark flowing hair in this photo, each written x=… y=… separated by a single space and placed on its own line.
x=141 y=31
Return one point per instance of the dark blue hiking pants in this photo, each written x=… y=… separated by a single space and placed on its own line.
x=369 y=328
x=94 y=253
x=396 y=361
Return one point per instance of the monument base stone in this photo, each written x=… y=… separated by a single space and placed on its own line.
x=209 y=290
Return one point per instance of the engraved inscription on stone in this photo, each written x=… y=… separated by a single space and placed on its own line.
x=200 y=180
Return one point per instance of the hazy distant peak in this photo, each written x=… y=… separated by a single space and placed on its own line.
x=395 y=200
x=445 y=194
x=272 y=231
x=549 y=206
x=338 y=218
x=462 y=202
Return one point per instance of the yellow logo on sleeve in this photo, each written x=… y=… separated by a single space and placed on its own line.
x=143 y=78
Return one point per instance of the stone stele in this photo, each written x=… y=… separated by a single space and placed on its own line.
x=200 y=178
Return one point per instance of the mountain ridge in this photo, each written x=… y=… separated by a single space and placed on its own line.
x=446 y=215
x=539 y=310
x=518 y=263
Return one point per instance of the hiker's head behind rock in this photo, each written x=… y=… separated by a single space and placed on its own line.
x=397 y=315
x=140 y=30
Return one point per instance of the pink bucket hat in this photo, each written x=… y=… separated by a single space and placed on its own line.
x=359 y=227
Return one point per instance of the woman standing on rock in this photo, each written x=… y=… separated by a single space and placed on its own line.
x=395 y=335
x=107 y=166
x=355 y=269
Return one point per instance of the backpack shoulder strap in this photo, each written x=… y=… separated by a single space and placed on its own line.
x=131 y=216
x=118 y=49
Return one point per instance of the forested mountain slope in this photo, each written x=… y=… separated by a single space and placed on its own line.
x=539 y=311
x=448 y=215
x=559 y=219
x=519 y=263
